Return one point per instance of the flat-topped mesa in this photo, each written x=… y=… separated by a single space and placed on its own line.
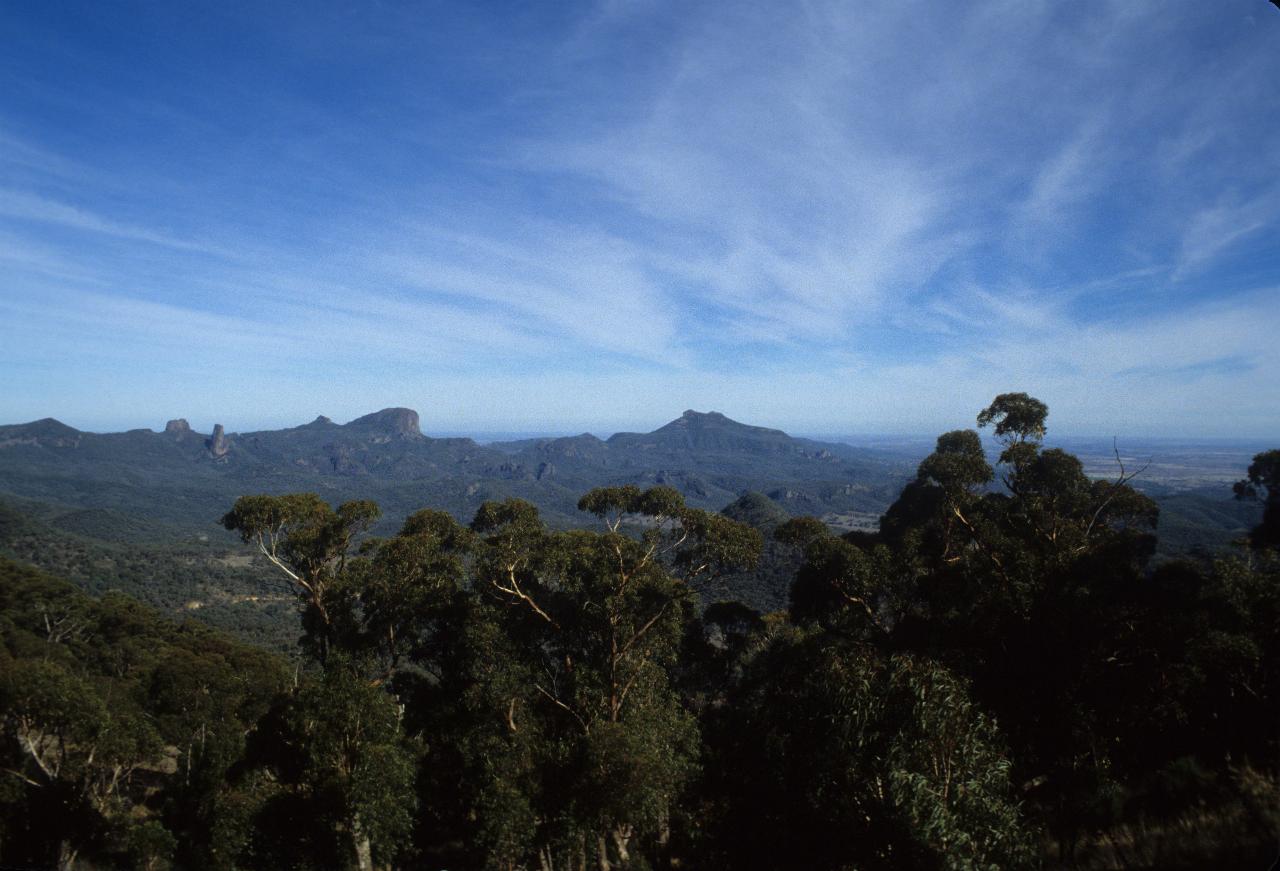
x=177 y=427
x=393 y=421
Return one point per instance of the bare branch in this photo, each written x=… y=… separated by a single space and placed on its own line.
x=643 y=629
x=982 y=545
x=581 y=722
x=858 y=600
x=270 y=553
x=24 y=738
x=1121 y=480
x=22 y=777
x=514 y=590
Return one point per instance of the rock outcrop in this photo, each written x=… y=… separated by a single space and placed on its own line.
x=178 y=427
x=218 y=444
x=401 y=422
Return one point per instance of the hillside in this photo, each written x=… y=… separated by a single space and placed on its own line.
x=180 y=481
x=138 y=511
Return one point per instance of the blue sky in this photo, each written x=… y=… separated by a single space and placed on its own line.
x=827 y=217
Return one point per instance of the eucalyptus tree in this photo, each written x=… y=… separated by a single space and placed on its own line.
x=1263 y=484
x=75 y=727
x=1028 y=588
x=204 y=699
x=118 y=727
x=79 y=751
x=368 y=610
x=583 y=632
x=833 y=754
x=309 y=542
x=838 y=578
x=341 y=768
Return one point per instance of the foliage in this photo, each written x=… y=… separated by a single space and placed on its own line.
x=838 y=756
x=591 y=627
x=1263 y=484
x=336 y=747
x=1002 y=665
x=100 y=699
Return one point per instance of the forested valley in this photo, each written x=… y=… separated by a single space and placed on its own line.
x=1001 y=676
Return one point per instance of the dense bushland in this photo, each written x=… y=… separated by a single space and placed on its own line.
x=997 y=678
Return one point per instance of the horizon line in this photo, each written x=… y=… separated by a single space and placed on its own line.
x=488 y=434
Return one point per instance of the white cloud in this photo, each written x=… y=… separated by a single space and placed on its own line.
x=33 y=207
x=1212 y=231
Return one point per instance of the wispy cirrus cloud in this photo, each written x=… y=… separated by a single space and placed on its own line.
x=825 y=201
x=1211 y=231
x=26 y=206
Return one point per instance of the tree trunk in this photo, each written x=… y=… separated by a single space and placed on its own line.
x=364 y=849
x=603 y=846
x=66 y=856
x=665 y=859
x=621 y=837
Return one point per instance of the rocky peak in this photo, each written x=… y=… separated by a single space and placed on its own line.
x=709 y=431
x=218 y=444
x=394 y=421
x=177 y=427
x=693 y=422
x=697 y=417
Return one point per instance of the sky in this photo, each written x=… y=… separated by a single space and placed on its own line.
x=824 y=217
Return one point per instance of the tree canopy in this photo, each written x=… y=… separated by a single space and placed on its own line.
x=1000 y=676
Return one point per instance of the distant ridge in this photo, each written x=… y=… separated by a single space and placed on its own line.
x=691 y=440
x=711 y=431
x=183 y=475
x=46 y=431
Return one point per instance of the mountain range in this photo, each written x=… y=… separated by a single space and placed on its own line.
x=138 y=511
x=180 y=479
